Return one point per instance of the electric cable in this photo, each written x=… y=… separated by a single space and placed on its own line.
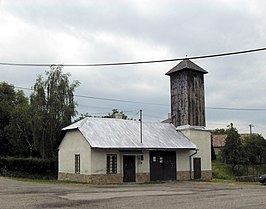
x=135 y=62
x=238 y=109
x=157 y=104
x=119 y=100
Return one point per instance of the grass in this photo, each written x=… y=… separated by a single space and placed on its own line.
x=222 y=171
x=44 y=181
x=21 y=175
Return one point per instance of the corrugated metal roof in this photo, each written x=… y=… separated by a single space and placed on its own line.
x=186 y=64
x=125 y=134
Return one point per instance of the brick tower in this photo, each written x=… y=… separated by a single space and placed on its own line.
x=187 y=94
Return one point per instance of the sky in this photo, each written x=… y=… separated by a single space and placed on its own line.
x=88 y=32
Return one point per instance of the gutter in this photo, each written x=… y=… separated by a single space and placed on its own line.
x=190 y=162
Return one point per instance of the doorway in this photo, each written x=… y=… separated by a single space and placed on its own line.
x=197 y=168
x=129 y=168
x=162 y=165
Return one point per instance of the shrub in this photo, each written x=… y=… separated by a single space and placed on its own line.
x=221 y=171
x=28 y=167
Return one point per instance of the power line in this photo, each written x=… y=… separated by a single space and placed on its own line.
x=119 y=100
x=106 y=113
x=158 y=104
x=103 y=98
x=238 y=109
x=135 y=62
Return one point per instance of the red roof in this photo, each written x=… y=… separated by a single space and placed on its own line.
x=218 y=140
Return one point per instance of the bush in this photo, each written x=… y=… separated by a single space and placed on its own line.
x=247 y=178
x=28 y=167
x=221 y=171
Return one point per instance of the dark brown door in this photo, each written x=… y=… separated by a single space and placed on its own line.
x=162 y=165
x=170 y=166
x=156 y=166
x=197 y=168
x=129 y=169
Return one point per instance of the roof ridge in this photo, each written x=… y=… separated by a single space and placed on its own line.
x=186 y=64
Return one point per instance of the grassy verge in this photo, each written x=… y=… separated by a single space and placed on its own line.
x=22 y=175
x=222 y=171
x=43 y=181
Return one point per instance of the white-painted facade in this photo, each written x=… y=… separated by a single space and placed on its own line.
x=202 y=139
x=182 y=160
x=93 y=161
x=74 y=143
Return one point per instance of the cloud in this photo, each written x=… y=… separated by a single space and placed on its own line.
x=70 y=32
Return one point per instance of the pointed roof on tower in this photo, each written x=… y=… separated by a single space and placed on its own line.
x=186 y=64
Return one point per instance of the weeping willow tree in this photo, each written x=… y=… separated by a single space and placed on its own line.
x=53 y=108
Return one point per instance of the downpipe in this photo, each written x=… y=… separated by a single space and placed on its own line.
x=190 y=162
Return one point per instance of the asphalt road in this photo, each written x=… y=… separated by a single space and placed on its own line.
x=186 y=195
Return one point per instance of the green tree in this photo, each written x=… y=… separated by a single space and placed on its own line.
x=7 y=102
x=82 y=116
x=232 y=151
x=219 y=131
x=53 y=108
x=254 y=148
x=15 y=132
x=19 y=130
x=39 y=116
x=115 y=113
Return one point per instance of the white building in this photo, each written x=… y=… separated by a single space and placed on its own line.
x=100 y=150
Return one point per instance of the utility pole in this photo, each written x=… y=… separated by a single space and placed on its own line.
x=140 y=120
x=250 y=128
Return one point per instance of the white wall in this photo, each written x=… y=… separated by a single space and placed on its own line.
x=202 y=139
x=99 y=159
x=182 y=160
x=93 y=161
x=74 y=143
x=143 y=166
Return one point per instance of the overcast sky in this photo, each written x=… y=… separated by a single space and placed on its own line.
x=87 y=32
